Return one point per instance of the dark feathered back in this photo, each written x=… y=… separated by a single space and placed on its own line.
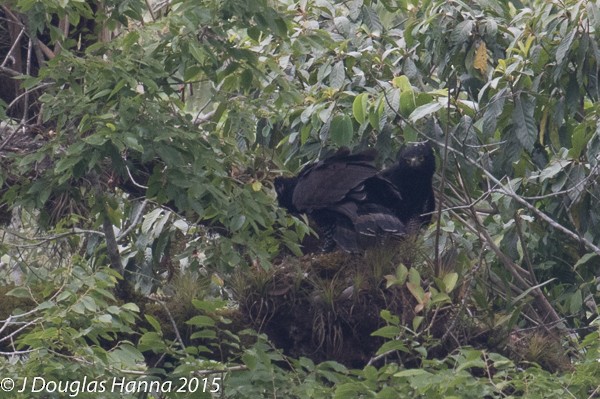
x=329 y=181
x=356 y=205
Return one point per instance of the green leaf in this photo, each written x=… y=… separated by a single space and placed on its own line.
x=402 y=83
x=78 y=307
x=254 y=32
x=359 y=107
x=204 y=334
x=439 y=298
x=151 y=341
x=389 y=317
x=197 y=52
x=387 y=332
x=89 y=303
x=131 y=307
x=250 y=359
x=101 y=93
x=337 y=75
x=371 y=19
x=572 y=96
x=579 y=141
x=493 y=112
x=343 y=25
x=209 y=305
x=201 y=321
x=424 y=110
x=375 y=115
x=96 y=139
x=462 y=32
x=19 y=292
x=192 y=73
x=564 y=46
x=153 y=322
x=417 y=321
x=132 y=142
x=246 y=78
x=413 y=276
x=412 y=373
x=237 y=222
x=450 y=280
x=118 y=87
x=170 y=155
x=417 y=291
x=472 y=358
x=46 y=305
x=66 y=164
x=524 y=124
x=593 y=149
x=576 y=302
x=341 y=131
x=394 y=345
x=391 y=103
x=584 y=259
x=353 y=390
x=522 y=295
x=131 y=38
x=553 y=169
x=407 y=102
x=63 y=296
x=281 y=27
x=401 y=273
x=105 y=318
x=150 y=219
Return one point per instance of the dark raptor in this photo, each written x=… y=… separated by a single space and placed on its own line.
x=356 y=205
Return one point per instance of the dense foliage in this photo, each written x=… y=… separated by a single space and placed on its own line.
x=141 y=139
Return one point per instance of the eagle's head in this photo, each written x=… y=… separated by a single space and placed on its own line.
x=419 y=157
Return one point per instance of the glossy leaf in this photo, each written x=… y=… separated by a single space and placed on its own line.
x=341 y=130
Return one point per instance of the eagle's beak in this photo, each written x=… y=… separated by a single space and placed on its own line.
x=414 y=162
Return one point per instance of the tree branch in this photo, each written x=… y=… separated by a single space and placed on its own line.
x=508 y=190
x=112 y=248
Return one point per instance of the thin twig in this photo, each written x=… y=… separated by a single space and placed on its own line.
x=18 y=330
x=112 y=247
x=17 y=98
x=173 y=323
x=505 y=189
x=44 y=240
x=15 y=44
x=438 y=230
x=15 y=353
x=526 y=256
x=241 y=367
x=463 y=301
x=509 y=191
x=133 y=180
x=150 y=10
x=28 y=73
x=9 y=71
x=134 y=222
